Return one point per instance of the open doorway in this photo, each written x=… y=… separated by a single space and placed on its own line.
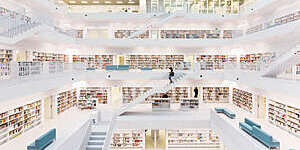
x=155 y=139
x=261 y=107
x=49 y=108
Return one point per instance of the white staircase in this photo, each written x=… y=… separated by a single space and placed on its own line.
x=280 y=65
x=97 y=137
x=165 y=18
x=178 y=77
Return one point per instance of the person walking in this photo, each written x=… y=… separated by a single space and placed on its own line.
x=171 y=74
x=195 y=92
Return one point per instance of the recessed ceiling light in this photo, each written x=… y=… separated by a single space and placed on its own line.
x=107 y=2
x=119 y=2
x=84 y=2
x=131 y=2
x=72 y=2
x=96 y=2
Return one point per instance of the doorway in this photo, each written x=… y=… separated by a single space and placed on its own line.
x=261 y=107
x=155 y=139
x=48 y=107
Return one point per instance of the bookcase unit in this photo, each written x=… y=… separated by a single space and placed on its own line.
x=6 y=55
x=29 y=68
x=153 y=61
x=298 y=69
x=46 y=56
x=161 y=104
x=66 y=100
x=242 y=99
x=94 y=61
x=215 y=94
x=130 y=93
x=192 y=138
x=19 y=120
x=189 y=103
x=252 y=61
x=99 y=94
x=284 y=116
x=124 y=139
x=120 y=34
x=215 y=62
x=5 y=59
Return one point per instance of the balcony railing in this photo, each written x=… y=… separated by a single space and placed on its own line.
x=23 y=70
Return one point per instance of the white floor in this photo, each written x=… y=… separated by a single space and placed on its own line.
x=65 y=124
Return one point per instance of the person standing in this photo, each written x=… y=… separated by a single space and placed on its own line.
x=171 y=74
x=195 y=92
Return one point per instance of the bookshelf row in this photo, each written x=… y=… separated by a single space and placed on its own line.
x=128 y=139
x=215 y=62
x=242 y=99
x=189 y=103
x=284 y=116
x=6 y=55
x=153 y=61
x=66 y=100
x=94 y=61
x=19 y=120
x=215 y=94
x=130 y=93
x=275 y=22
x=89 y=97
x=4 y=71
x=120 y=34
x=135 y=139
x=192 y=138
x=195 y=34
x=46 y=57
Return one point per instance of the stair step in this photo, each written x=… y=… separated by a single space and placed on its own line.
x=93 y=147
x=95 y=142
x=97 y=137
x=98 y=133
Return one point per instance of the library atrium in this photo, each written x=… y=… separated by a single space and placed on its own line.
x=150 y=75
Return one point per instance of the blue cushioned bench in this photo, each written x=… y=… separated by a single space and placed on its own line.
x=123 y=67
x=145 y=68
x=255 y=131
x=111 y=67
x=225 y=111
x=43 y=141
x=90 y=68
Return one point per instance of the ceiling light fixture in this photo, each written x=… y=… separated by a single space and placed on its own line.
x=107 y=2
x=84 y=2
x=119 y=2
x=96 y=2
x=72 y=2
x=131 y=2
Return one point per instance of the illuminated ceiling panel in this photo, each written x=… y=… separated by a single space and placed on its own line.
x=102 y=2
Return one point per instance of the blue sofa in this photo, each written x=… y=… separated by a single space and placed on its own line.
x=111 y=67
x=123 y=67
x=255 y=131
x=225 y=111
x=90 y=68
x=43 y=141
x=116 y=67
x=144 y=68
x=248 y=125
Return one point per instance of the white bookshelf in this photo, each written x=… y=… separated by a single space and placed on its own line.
x=94 y=61
x=242 y=99
x=130 y=93
x=180 y=139
x=65 y=100
x=284 y=116
x=189 y=103
x=156 y=62
x=128 y=139
x=16 y=121
x=215 y=95
x=93 y=96
x=159 y=104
